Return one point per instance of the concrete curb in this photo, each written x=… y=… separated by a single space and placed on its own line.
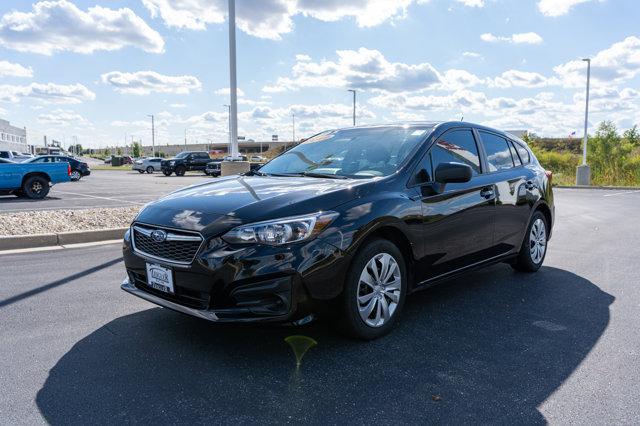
x=13 y=242
x=616 y=188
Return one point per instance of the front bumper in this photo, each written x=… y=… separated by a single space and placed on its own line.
x=248 y=285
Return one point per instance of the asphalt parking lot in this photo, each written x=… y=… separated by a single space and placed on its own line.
x=559 y=346
x=104 y=188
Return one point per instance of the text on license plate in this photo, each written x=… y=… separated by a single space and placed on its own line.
x=160 y=278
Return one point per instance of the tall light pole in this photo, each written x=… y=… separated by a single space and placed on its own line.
x=229 y=131
x=354 y=106
x=233 y=84
x=583 y=173
x=293 y=130
x=153 y=135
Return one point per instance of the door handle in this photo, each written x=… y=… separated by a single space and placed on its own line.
x=487 y=192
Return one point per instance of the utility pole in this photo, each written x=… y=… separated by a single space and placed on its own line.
x=233 y=86
x=185 y=138
x=583 y=172
x=229 y=130
x=354 y=106
x=153 y=136
x=293 y=118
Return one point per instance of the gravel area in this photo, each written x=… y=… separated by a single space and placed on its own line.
x=53 y=221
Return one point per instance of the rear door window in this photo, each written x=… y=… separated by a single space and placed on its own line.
x=498 y=152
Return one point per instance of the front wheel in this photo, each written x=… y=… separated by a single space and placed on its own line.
x=150 y=169
x=374 y=291
x=534 y=246
x=36 y=187
x=180 y=171
x=141 y=171
x=166 y=172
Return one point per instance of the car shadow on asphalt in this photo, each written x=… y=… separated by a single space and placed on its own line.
x=488 y=347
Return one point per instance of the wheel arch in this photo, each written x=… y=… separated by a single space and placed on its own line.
x=33 y=174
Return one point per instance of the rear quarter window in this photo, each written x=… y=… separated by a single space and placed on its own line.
x=523 y=153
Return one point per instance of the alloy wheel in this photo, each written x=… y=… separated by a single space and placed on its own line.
x=379 y=290
x=75 y=175
x=537 y=241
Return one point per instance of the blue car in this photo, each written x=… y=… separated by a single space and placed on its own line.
x=31 y=180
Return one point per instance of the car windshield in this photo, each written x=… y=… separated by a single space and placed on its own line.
x=182 y=155
x=354 y=153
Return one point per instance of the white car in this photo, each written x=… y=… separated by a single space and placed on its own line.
x=148 y=165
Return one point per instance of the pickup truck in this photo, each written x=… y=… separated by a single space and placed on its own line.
x=32 y=180
x=185 y=161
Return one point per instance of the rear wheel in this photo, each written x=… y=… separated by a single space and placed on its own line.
x=374 y=291
x=150 y=169
x=180 y=171
x=36 y=187
x=76 y=175
x=534 y=246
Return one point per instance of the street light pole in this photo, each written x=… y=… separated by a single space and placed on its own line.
x=293 y=118
x=229 y=130
x=153 y=135
x=233 y=110
x=583 y=173
x=354 y=106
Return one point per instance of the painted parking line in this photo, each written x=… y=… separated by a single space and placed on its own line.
x=622 y=193
x=101 y=198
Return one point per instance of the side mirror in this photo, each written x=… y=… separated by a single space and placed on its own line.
x=453 y=173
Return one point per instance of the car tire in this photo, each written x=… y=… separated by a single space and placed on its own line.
x=141 y=171
x=370 y=306
x=36 y=187
x=76 y=175
x=534 y=246
x=150 y=169
x=166 y=173
x=180 y=171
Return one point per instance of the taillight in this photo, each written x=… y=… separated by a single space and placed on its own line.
x=549 y=174
x=69 y=169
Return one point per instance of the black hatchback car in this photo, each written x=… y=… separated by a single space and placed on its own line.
x=346 y=225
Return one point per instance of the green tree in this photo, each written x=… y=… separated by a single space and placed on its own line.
x=608 y=155
x=119 y=151
x=136 y=149
x=632 y=137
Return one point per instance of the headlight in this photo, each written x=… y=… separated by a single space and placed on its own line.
x=280 y=231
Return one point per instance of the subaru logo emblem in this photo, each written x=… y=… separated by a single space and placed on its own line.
x=158 y=236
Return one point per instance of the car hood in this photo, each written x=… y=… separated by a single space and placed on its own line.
x=216 y=206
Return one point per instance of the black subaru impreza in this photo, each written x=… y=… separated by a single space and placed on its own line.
x=344 y=225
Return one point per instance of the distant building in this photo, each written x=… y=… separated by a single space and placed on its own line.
x=13 y=138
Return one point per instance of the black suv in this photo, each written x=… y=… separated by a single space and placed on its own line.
x=185 y=161
x=346 y=225
x=79 y=169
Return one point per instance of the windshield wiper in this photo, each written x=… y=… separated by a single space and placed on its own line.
x=322 y=175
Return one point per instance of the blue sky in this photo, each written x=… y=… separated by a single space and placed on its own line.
x=95 y=69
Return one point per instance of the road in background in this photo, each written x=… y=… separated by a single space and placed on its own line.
x=493 y=346
x=104 y=188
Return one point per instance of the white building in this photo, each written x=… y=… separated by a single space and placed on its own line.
x=13 y=138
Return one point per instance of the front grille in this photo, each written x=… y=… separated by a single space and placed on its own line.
x=178 y=247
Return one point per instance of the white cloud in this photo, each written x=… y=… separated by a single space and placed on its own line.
x=53 y=26
x=458 y=79
x=472 y=3
x=50 y=92
x=62 y=117
x=557 y=7
x=515 y=78
x=225 y=91
x=178 y=105
x=474 y=55
x=146 y=82
x=9 y=69
x=616 y=64
x=272 y=18
x=361 y=69
x=518 y=38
